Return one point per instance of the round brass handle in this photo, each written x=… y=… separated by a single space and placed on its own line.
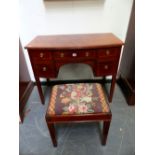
x=87 y=54
x=105 y=66
x=61 y=55
x=44 y=69
x=41 y=55
x=107 y=52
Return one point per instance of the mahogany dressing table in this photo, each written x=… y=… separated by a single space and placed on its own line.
x=100 y=51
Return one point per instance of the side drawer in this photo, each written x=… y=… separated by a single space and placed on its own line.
x=44 y=70
x=40 y=55
x=106 y=68
x=108 y=52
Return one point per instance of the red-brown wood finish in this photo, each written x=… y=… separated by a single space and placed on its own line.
x=106 y=126
x=76 y=41
x=52 y=133
x=48 y=53
x=104 y=117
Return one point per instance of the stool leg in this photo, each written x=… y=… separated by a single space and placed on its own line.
x=106 y=126
x=52 y=133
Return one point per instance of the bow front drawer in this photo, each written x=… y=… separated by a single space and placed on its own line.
x=74 y=54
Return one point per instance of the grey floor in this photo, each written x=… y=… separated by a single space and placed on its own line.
x=77 y=138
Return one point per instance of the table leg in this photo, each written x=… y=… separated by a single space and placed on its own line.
x=52 y=133
x=48 y=81
x=112 y=88
x=40 y=90
x=106 y=126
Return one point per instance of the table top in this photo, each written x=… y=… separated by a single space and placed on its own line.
x=78 y=41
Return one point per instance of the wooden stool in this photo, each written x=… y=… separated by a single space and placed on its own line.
x=78 y=102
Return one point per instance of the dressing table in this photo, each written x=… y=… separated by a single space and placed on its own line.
x=48 y=53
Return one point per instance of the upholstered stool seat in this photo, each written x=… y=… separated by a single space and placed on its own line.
x=78 y=102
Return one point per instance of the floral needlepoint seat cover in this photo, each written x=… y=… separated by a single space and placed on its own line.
x=81 y=98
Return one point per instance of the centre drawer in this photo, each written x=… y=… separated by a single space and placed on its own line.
x=75 y=54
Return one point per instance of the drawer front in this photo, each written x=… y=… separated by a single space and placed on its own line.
x=106 y=68
x=44 y=70
x=75 y=54
x=40 y=55
x=108 y=52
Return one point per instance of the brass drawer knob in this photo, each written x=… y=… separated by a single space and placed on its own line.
x=41 y=55
x=107 y=52
x=87 y=54
x=105 y=66
x=74 y=54
x=61 y=55
x=44 y=69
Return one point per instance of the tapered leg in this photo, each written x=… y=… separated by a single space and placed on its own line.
x=40 y=90
x=48 y=81
x=112 y=88
x=105 y=131
x=52 y=133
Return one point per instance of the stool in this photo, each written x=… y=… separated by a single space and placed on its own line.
x=76 y=103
